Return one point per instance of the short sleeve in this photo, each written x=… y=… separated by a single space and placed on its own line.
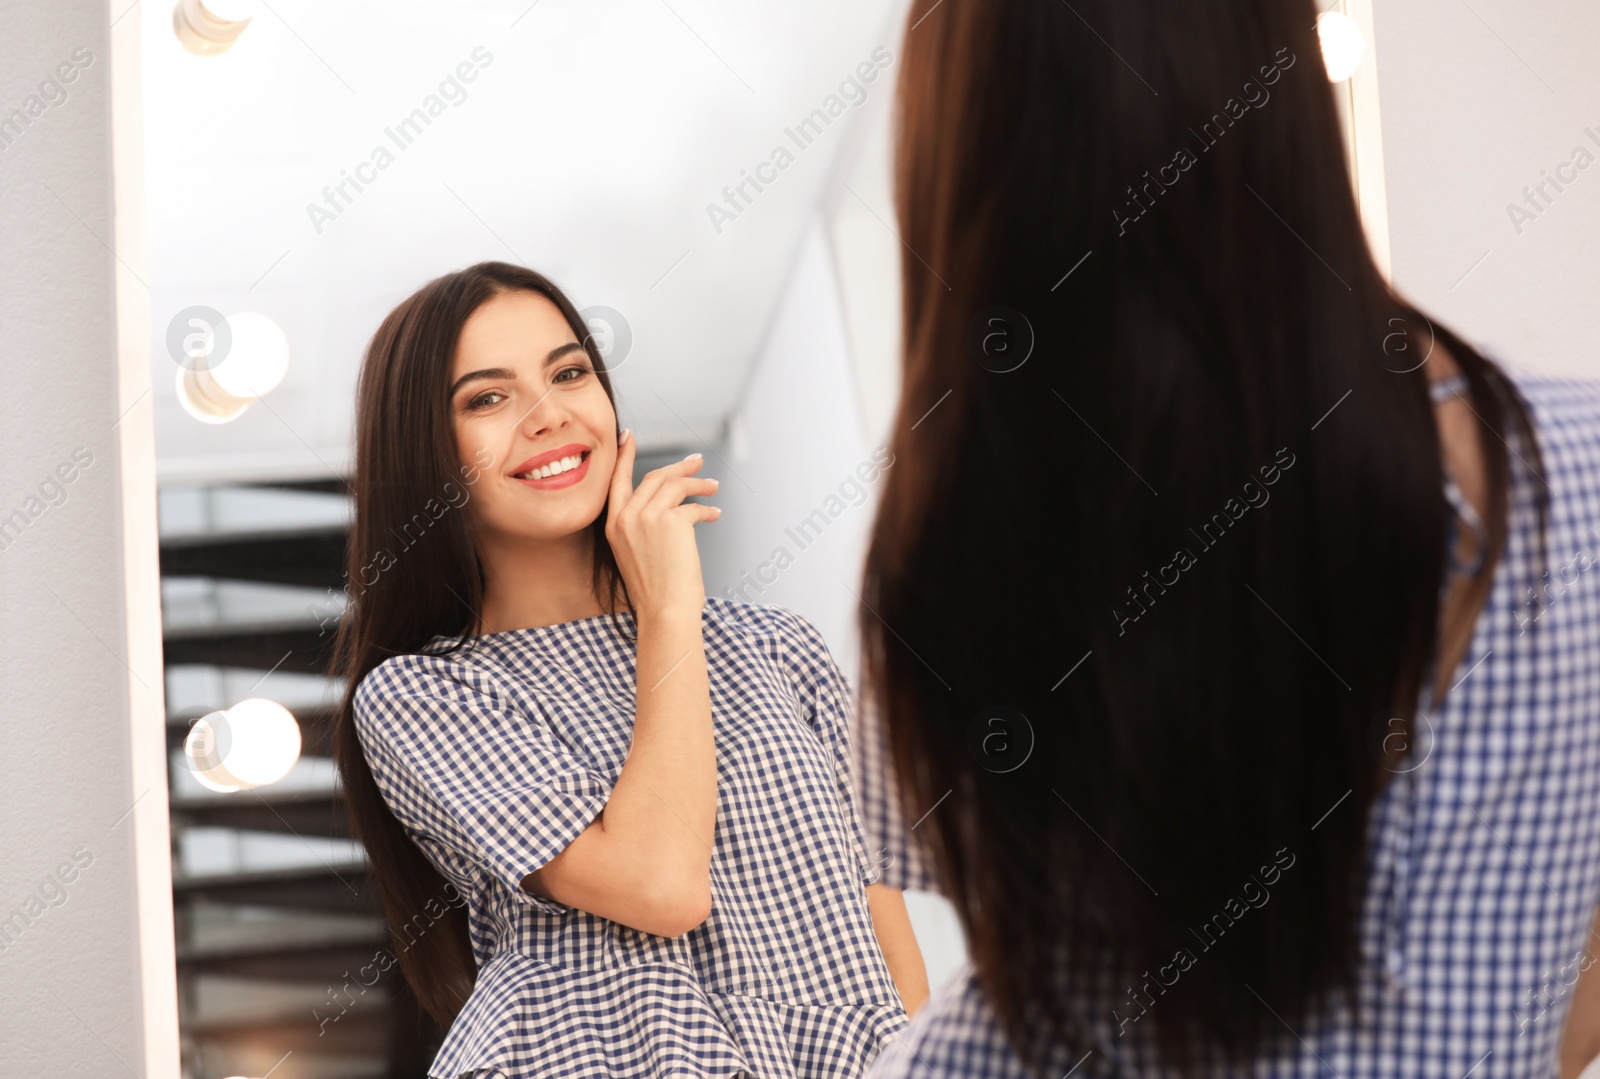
x=906 y=863
x=461 y=766
x=830 y=707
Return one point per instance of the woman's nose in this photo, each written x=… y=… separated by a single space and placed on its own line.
x=544 y=413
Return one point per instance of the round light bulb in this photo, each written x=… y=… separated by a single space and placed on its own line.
x=1342 y=44
x=252 y=744
x=203 y=751
x=258 y=358
x=203 y=399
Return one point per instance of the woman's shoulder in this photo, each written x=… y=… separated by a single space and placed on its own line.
x=779 y=639
x=1565 y=413
x=769 y=624
x=425 y=665
x=447 y=676
x=1558 y=403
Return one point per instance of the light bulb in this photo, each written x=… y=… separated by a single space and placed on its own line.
x=258 y=358
x=252 y=744
x=203 y=399
x=209 y=29
x=203 y=750
x=1342 y=44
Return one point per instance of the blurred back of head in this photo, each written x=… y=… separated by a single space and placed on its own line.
x=1135 y=283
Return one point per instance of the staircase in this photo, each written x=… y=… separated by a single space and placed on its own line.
x=278 y=921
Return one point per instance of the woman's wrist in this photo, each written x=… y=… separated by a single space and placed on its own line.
x=669 y=616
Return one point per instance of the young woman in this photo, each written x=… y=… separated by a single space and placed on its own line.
x=612 y=819
x=1234 y=626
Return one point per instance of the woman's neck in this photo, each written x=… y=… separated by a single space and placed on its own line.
x=530 y=583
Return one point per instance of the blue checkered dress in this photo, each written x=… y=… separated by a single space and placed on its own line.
x=1483 y=860
x=496 y=757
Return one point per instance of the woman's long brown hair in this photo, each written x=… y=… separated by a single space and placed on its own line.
x=407 y=468
x=1169 y=508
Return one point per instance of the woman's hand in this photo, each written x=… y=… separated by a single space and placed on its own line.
x=651 y=532
x=646 y=860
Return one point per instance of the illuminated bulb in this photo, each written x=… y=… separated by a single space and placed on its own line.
x=255 y=362
x=252 y=744
x=258 y=358
x=208 y=30
x=206 y=401
x=1342 y=44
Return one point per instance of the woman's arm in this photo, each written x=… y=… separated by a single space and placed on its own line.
x=899 y=944
x=1581 y=1041
x=646 y=860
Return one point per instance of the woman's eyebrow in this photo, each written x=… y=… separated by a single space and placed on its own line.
x=561 y=350
x=506 y=372
x=487 y=372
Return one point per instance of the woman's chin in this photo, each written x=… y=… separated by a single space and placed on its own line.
x=548 y=529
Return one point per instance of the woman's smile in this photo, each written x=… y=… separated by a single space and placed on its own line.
x=561 y=467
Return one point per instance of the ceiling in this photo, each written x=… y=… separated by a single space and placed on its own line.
x=588 y=145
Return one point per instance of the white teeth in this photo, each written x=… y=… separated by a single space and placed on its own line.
x=554 y=468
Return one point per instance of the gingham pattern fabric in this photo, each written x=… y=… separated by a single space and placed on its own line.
x=495 y=757
x=1483 y=860
x=902 y=861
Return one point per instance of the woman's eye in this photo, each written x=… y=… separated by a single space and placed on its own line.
x=578 y=371
x=482 y=400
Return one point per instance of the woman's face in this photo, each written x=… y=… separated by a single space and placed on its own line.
x=523 y=395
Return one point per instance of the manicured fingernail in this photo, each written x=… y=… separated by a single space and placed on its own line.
x=691 y=457
x=625 y=433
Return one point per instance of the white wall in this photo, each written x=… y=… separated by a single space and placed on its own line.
x=793 y=449
x=1479 y=102
x=87 y=985
x=821 y=394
